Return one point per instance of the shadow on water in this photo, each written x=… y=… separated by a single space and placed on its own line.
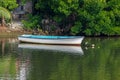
x=100 y=61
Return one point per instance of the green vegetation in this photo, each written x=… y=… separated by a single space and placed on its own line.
x=32 y=23
x=5 y=7
x=8 y=4
x=79 y=17
x=73 y=17
x=4 y=14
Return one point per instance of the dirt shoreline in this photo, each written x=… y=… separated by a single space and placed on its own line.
x=6 y=32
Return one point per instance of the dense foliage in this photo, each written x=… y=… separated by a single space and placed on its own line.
x=8 y=4
x=4 y=14
x=80 y=17
x=5 y=7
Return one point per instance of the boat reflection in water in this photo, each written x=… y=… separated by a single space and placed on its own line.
x=63 y=48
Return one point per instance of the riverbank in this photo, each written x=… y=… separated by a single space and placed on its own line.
x=10 y=34
x=7 y=32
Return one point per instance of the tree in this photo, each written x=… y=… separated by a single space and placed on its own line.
x=86 y=17
x=4 y=14
x=8 y=4
x=5 y=7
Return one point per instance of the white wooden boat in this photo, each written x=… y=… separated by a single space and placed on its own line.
x=62 y=48
x=42 y=39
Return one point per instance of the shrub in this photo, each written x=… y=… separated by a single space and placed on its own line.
x=32 y=23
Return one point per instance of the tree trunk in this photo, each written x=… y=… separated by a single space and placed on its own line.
x=3 y=21
x=3 y=47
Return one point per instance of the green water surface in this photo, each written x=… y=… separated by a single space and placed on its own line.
x=100 y=60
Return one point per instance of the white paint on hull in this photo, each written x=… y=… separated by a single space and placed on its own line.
x=52 y=41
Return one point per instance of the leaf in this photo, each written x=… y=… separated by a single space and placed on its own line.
x=5 y=13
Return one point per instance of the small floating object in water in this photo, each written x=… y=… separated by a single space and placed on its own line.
x=86 y=48
x=86 y=43
x=93 y=45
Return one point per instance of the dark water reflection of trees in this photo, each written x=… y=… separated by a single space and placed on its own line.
x=7 y=58
x=99 y=62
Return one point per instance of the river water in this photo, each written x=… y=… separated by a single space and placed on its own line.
x=95 y=59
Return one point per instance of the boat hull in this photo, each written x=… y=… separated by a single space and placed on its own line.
x=60 y=41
